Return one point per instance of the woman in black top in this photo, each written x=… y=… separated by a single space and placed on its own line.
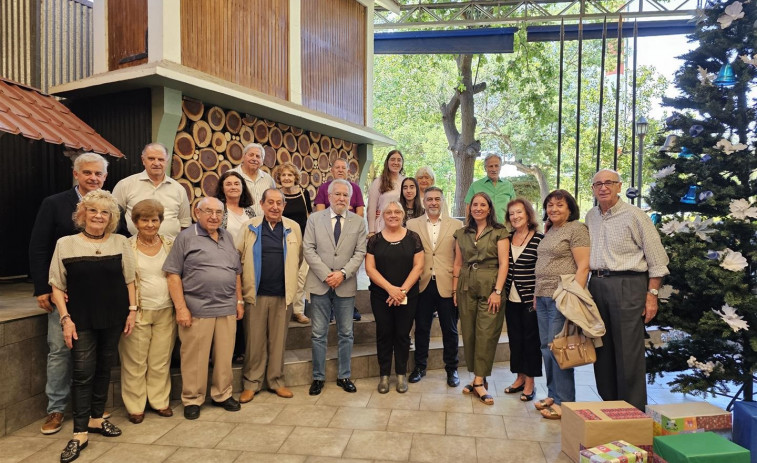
x=411 y=199
x=520 y=314
x=298 y=208
x=394 y=262
x=92 y=276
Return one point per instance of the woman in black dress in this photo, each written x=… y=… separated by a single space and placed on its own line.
x=394 y=262
x=92 y=276
x=298 y=208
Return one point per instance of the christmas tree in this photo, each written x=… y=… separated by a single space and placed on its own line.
x=705 y=198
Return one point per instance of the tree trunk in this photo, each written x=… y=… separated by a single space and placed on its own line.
x=537 y=172
x=462 y=142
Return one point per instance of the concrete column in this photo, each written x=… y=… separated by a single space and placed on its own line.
x=295 y=51
x=365 y=159
x=166 y=114
x=163 y=30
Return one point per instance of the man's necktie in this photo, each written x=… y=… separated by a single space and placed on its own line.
x=337 y=229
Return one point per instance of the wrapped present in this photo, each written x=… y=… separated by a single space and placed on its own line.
x=614 y=452
x=588 y=424
x=704 y=447
x=689 y=417
x=745 y=426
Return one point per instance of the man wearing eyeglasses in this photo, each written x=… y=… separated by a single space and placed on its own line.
x=204 y=280
x=627 y=264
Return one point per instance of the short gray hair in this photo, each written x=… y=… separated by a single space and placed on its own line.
x=617 y=175
x=425 y=170
x=394 y=203
x=86 y=158
x=250 y=146
x=205 y=200
x=340 y=181
x=492 y=155
x=155 y=146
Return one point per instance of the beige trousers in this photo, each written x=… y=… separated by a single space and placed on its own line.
x=146 y=360
x=265 y=329
x=298 y=306
x=196 y=341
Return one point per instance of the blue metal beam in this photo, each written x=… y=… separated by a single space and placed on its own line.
x=498 y=40
x=594 y=30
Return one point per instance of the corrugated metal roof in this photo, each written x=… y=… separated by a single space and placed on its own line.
x=29 y=112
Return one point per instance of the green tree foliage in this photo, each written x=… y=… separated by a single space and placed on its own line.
x=701 y=238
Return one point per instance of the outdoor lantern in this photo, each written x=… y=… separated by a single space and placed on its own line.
x=725 y=77
x=641 y=126
x=670 y=143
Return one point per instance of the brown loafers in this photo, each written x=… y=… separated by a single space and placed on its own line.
x=136 y=418
x=165 y=412
x=246 y=396
x=284 y=392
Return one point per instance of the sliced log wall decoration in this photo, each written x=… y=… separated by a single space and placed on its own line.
x=209 y=141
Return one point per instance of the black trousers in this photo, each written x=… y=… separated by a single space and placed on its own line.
x=428 y=302
x=523 y=331
x=620 y=369
x=393 y=326
x=94 y=354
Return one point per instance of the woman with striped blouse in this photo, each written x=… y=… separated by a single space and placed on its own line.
x=522 y=326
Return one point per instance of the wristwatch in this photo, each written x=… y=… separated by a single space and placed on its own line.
x=344 y=274
x=498 y=292
x=653 y=292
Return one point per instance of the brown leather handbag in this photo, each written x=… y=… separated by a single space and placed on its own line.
x=571 y=348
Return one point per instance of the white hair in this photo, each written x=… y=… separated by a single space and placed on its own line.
x=340 y=181
x=86 y=158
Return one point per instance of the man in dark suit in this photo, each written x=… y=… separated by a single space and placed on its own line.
x=436 y=232
x=54 y=222
x=334 y=247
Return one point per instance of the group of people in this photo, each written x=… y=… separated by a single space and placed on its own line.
x=229 y=283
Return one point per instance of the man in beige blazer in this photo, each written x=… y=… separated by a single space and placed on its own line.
x=436 y=285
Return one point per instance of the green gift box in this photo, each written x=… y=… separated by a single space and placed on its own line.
x=702 y=447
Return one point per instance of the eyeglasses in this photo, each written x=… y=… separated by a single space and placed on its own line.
x=211 y=212
x=93 y=211
x=608 y=184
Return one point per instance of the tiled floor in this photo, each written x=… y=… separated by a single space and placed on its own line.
x=430 y=423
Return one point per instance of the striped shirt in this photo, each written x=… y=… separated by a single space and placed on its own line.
x=521 y=271
x=624 y=239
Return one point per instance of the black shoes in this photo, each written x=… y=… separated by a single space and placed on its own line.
x=192 y=412
x=356 y=315
x=416 y=375
x=106 y=429
x=452 y=379
x=346 y=384
x=230 y=405
x=72 y=450
x=316 y=387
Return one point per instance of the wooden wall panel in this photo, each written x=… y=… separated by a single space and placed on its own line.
x=127 y=33
x=333 y=58
x=242 y=41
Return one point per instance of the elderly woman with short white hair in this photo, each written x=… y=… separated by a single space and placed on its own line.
x=92 y=276
x=425 y=177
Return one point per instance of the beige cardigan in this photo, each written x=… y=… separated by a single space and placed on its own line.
x=577 y=305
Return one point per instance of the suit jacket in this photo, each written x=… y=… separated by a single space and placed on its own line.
x=439 y=258
x=324 y=257
x=53 y=222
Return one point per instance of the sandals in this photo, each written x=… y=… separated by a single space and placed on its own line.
x=468 y=389
x=543 y=404
x=550 y=414
x=514 y=390
x=486 y=399
x=106 y=429
x=528 y=397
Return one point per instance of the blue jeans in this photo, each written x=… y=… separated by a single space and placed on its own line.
x=561 y=384
x=320 y=313
x=58 y=385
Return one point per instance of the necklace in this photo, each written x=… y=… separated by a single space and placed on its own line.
x=528 y=233
x=91 y=236
x=154 y=243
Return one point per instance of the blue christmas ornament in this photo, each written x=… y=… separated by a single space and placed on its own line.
x=725 y=77
x=673 y=119
x=656 y=218
x=632 y=193
x=705 y=195
x=713 y=255
x=706 y=158
x=685 y=153
x=696 y=130
x=691 y=196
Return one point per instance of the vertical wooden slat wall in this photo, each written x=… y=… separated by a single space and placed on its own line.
x=241 y=41
x=333 y=58
x=127 y=28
